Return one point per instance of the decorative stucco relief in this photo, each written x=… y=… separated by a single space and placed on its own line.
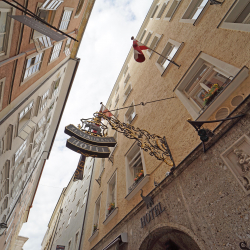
x=237 y=158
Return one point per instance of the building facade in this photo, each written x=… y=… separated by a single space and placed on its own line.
x=36 y=77
x=138 y=202
x=67 y=221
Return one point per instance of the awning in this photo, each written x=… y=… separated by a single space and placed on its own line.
x=122 y=238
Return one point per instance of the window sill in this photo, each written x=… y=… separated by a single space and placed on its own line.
x=94 y=234
x=137 y=188
x=111 y=216
x=133 y=120
x=28 y=78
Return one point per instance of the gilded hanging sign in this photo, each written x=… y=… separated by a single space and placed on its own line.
x=86 y=137
x=89 y=149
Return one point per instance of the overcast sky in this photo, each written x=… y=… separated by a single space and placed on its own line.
x=104 y=48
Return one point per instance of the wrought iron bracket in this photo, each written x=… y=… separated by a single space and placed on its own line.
x=243 y=245
x=212 y=2
x=206 y=133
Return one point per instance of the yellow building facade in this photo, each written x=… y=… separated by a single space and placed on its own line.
x=210 y=42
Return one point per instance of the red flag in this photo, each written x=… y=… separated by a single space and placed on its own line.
x=138 y=55
x=105 y=111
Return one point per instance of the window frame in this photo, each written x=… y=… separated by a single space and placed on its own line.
x=54 y=52
x=154 y=44
x=239 y=75
x=172 y=10
x=126 y=80
x=96 y=218
x=2 y=85
x=162 y=10
x=29 y=113
x=61 y=27
x=113 y=178
x=125 y=96
x=191 y=9
x=234 y=11
x=25 y=79
x=158 y=63
x=128 y=111
x=154 y=11
x=150 y=33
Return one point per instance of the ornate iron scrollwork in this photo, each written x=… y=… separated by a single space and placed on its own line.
x=243 y=246
x=154 y=144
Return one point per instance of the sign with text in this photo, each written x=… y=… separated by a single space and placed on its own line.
x=40 y=27
x=94 y=140
x=78 y=175
x=88 y=149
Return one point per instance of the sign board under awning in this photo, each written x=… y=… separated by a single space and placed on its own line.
x=60 y=247
x=40 y=27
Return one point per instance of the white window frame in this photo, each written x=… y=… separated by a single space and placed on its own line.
x=171 y=11
x=2 y=85
x=234 y=12
x=125 y=70
x=25 y=113
x=154 y=11
x=9 y=31
x=112 y=180
x=127 y=93
x=117 y=88
x=96 y=218
x=126 y=80
x=20 y=150
x=192 y=10
x=148 y=37
x=130 y=155
x=84 y=197
x=154 y=44
x=32 y=70
x=67 y=47
x=143 y=34
x=65 y=20
x=130 y=112
x=69 y=219
x=161 y=11
x=51 y=4
x=56 y=51
x=228 y=70
x=116 y=101
x=168 y=52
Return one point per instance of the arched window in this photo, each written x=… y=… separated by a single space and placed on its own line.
x=79 y=7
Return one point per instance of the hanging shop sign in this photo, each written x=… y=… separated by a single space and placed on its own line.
x=40 y=27
x=60 y=247
x=86 y=137
x=78 y=175
x=91 y=150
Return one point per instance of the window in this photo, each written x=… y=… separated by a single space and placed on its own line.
x=163 y=7
x=84 y=198
x=175 y=4
x=208 y=75
x=43 y=101
x=116 y=100
x=51 y=4
x=5 y=21
x=69 y=245
x=116 y=113
x=143 y=34
x=25 y=115
x=130 y=114
x=127 y=92
x=33 y=65
x=2 y=83
x=125 y=70
x=153 y=44
x=69 y=218
x=170 y=52
x=38 y=138
x=97 y=213
x=79 y=8
x=111 y=199
x=77 y=206
x=20 y=150
x=40 y=123
x=56 y=86
x=76 y=240
x=126 y=79
x=148 y=37
x=42 y=42
x=56 y=51
x=238 y=17
x=67 y=47
x=194 y=10
x=135 y=169
x=117 y=89
x=102 y=166
x=154 y=11
x=65 y=19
